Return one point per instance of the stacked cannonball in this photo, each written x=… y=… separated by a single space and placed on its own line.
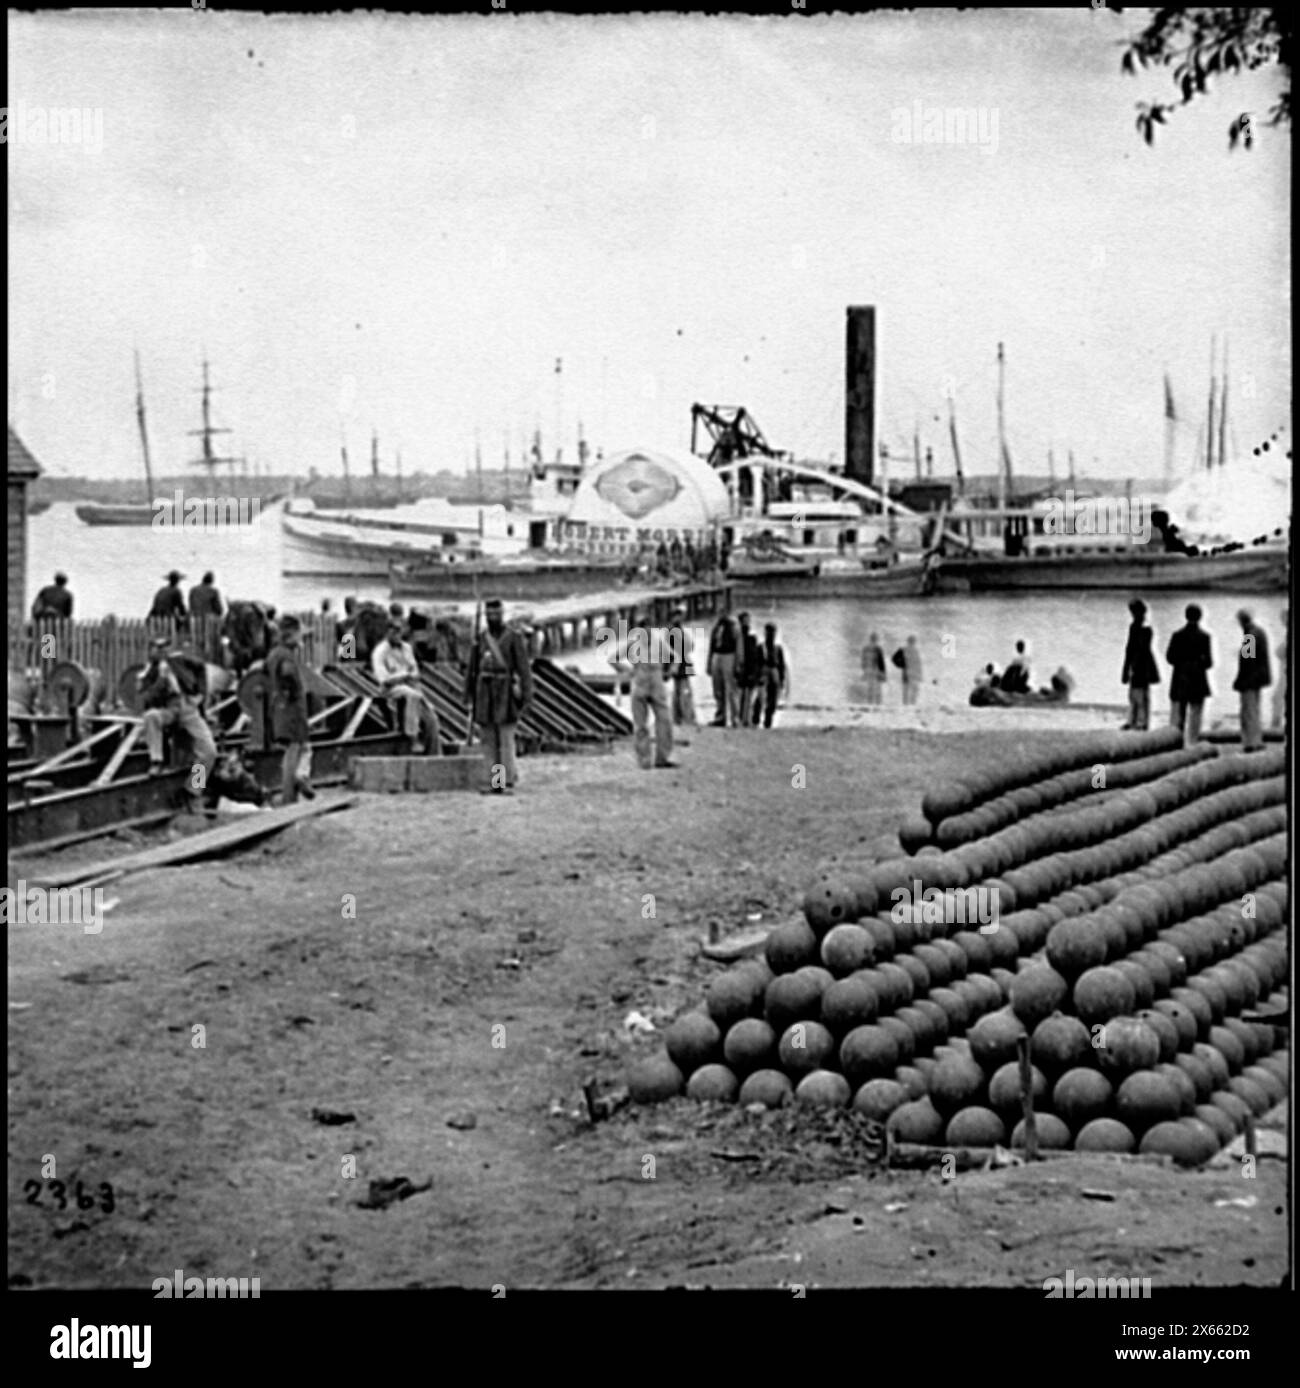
x=1143 y=908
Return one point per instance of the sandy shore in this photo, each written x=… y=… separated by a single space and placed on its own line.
x=420 y=986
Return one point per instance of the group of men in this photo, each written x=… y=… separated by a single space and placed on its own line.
x=750 y=677
x=169 y=601
x=1190 y=658
x=875 y=670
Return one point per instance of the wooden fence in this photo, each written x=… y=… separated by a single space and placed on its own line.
x=113 y=645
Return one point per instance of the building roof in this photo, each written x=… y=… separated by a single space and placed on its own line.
x=21 y=463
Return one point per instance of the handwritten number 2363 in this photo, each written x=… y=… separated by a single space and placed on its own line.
x=85 y=1200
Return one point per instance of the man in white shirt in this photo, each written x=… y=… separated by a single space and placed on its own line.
x=648 y=651
x=394 y=667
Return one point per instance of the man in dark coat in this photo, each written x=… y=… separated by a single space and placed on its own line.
x=774 y=679
x=749 y=670
x=1140 y=669
x=499 y=689
x=54 y=600
x=169 y=601
x=287 y=689
x=1254 y=675
x=1189 y=654
x=723 y=668
x=205 y=600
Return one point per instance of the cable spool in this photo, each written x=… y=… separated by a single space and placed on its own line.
x=75 y=687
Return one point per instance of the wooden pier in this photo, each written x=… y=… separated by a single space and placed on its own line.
x=571 y=623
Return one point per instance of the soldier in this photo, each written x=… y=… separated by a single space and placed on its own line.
x=169 y=601
x=499 y=690
x=171 y=702
x=205 y=598
x=394 y=666
x=748 y=670
x=287 y=686
x=54 y=600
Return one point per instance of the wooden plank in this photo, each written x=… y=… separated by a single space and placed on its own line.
x=210 y=842
x=357 y=718
x=325 y=712
x=142 y=821
x=123 y=751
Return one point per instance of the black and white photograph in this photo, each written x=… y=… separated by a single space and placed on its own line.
x=650 y=651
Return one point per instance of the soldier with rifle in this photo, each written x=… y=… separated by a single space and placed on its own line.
x=499 y=690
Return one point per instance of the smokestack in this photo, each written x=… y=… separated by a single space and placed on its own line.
x=860 y=395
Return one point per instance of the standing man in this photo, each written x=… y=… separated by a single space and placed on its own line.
x=499 y=688
x=875 y=671
x=724 y=648
x=169 y=601
x=911 y=668
x=394 y=666
x=1279 y=689
x=649 y=653
x=168 y=704
x=680 y=671
x=774 y=680
x=205 y=600
x=749 y=668
x=53 y=601
x=1140 y=671
x=287 y=686
x=1253 y=677
x=1189 y=654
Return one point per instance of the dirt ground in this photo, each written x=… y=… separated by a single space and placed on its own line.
x=524 y=923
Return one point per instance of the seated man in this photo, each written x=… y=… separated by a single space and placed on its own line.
x=394 y=667
x=167 y=704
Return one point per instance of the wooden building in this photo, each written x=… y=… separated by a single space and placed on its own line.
x=23 y=469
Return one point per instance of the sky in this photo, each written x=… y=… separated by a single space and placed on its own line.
x=403 y=224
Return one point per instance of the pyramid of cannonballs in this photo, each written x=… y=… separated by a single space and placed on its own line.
x=1142 y=907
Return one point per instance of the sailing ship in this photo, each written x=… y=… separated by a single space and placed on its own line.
x=228 y=509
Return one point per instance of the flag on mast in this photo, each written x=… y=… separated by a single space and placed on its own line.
x=1170 y=411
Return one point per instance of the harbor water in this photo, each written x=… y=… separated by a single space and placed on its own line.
x=116 y=570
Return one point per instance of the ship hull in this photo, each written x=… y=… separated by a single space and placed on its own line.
x=1263 y=570
x=222 y=511
x=467 y=582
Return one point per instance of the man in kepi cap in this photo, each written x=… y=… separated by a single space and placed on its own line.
x=499 y=689
x=169 y=601
x=171 y=701
x=287 y=686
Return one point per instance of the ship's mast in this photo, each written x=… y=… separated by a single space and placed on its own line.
x=1209 y=430
x=144 y=432
x=1004 y=457
x=1223 y=407
x=347 y=474
x=210 y=460
x=956 y=447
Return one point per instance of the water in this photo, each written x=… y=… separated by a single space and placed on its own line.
x=117 y=570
